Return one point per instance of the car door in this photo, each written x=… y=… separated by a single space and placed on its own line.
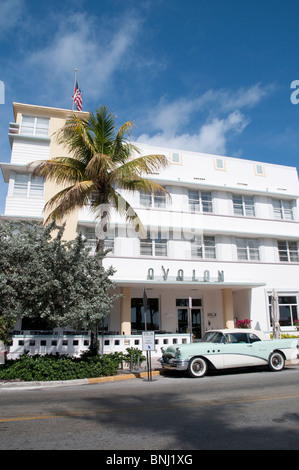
x=260 y=350
x=238 y=352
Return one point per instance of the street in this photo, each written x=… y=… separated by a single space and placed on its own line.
x=254 y=409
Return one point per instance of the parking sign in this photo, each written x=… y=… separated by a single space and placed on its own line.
x=148 y=341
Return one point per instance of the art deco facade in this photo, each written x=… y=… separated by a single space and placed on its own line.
x=213 y=251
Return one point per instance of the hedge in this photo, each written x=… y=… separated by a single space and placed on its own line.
x=55 y=367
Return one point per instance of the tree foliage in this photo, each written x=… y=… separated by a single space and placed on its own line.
x=43 y=276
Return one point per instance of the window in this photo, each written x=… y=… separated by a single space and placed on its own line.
x=243 y=205
x=27 y=186
x=20 y=185
x=91 y=239
x=282 y=209
x=259 y=170
x=207 y=249
x=288 y=251
x=200 y=201
x=176 y=158
x=247 y=249
x=35 y=126
x=153 y=247
x=36 y=187
x=219 y=164
x=236 y=338
x=288 y=309
x=138 y=317
x=153 y=200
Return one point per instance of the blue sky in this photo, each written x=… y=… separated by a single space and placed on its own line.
x=205 y=76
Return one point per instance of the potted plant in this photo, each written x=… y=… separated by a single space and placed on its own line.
x=244 y=323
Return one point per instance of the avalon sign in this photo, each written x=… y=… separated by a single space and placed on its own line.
x=206 y=277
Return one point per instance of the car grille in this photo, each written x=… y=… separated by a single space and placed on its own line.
x=167 y=357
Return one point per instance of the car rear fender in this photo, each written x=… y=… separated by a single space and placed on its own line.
x=278 y=350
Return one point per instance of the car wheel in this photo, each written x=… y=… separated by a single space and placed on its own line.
x=276 y=361
x=197 y=367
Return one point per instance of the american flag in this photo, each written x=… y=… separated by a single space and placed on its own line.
x=77 y=97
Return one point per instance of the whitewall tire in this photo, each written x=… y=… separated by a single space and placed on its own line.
x=197 y=367
x=276 y=361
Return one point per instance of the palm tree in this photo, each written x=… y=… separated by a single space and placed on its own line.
x=100 y=164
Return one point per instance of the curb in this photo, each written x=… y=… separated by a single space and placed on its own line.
x=95 y=380
x=115 y=378
x=70 y=383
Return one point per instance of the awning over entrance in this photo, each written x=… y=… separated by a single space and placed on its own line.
x=234 y=285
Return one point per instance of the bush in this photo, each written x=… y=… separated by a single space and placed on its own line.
x=135 y=353
x=55 y=367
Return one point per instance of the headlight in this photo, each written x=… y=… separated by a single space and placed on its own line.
x=163 y=350
x=178 y=352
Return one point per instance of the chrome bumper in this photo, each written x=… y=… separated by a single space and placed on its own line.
x=176 y=364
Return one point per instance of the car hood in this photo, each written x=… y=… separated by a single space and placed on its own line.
x=186 y=347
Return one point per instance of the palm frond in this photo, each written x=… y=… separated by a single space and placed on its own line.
x=76 y=137
x=102 y=126
x=137 y=167
x=143 y=185
x=100 y=165
x=126 y=210
x=68 y=199
x=61 y=170
x=122 y=147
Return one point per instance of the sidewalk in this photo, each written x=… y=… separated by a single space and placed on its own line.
x=156 y=370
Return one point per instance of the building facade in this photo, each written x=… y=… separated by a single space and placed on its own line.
x=211 y=254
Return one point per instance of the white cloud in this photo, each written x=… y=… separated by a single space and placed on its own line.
x=210 y=138
x=213 y=118
x=82 y=43
x=242 y=97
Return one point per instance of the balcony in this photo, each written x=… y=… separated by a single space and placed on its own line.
x=14 y=128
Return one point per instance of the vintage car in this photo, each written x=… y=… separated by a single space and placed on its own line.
x=229 y=348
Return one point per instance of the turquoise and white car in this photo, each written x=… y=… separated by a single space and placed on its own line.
x=230 y=348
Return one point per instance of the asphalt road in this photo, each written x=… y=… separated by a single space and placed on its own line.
x=224 y=410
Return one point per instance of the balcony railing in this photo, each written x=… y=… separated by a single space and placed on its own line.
x=14 y=128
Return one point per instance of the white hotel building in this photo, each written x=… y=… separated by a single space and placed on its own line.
x=215 y=249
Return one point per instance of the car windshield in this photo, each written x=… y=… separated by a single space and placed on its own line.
x=213 y=337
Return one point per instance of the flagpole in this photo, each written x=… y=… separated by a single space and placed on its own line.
x=76 y=70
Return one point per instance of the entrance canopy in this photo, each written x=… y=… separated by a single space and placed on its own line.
x=161 y=284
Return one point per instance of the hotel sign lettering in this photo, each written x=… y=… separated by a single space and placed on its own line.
x=180 y=276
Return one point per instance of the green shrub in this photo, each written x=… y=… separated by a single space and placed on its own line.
x=135 y=353
x=55 y=367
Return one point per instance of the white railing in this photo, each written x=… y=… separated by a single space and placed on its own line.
x=75 y=344
x=14 y=128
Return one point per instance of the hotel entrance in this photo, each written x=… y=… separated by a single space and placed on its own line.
x=189 y=312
